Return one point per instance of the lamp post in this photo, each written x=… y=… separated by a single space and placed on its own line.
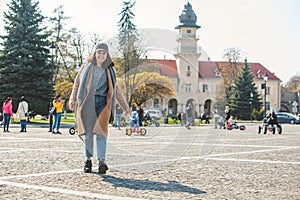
x=265 y=98
x=52 y=47
x=251 y=97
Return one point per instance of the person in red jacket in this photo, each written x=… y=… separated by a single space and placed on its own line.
x=7 y=113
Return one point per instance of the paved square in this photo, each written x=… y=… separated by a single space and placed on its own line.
x=167 y=163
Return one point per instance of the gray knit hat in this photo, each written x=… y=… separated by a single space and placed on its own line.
x=102 y=46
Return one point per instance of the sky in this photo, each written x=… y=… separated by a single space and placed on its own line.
x=266 y=31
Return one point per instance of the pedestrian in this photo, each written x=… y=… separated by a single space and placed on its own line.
x=179 y=118
x=189 y=115
x=140 y=112
x=93 y=98
x=227 y=114
x=216 y=117
x=7 y=112
x=58 y=105
x=183 y=118
x=22 y=112
x=205 y=118
x=119 y=111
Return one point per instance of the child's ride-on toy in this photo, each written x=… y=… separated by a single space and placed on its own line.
x=134 y=125
x=266 y=126
x=231 y=124
x=270 y=127
x=134 y=129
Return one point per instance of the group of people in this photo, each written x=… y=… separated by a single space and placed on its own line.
x=22 y=113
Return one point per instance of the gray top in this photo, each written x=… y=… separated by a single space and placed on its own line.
x=101 y=83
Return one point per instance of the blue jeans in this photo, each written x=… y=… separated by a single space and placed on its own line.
x=6 y=121
x=23 y=125
x=118 y=120
x=56 y=123
x=190 y=120
x=100 y=103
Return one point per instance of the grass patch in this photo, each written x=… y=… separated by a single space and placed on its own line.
x=40 y=119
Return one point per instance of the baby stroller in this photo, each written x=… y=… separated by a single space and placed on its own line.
x=222 y=123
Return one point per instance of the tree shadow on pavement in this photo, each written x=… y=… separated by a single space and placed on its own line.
x=172 y=186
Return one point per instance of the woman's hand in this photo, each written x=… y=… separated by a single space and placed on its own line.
x=71 y=106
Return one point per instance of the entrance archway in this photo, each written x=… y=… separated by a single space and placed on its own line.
x=172 y=107
x=207 y=106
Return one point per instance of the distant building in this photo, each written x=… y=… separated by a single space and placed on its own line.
x=199 y=82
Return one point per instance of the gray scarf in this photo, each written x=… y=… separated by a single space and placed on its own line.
x=83 y=84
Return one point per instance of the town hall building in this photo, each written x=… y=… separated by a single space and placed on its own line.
x=198 y=81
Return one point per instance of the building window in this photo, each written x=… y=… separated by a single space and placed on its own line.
x=188 y=31
x=217 y=73
x=268 y=105
x=155 y=103
x=204 y=88
x=268 y=90
x=188 y=72
x=188 y=87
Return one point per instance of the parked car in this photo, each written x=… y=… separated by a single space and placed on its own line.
x=287 y=118
x=154 y=113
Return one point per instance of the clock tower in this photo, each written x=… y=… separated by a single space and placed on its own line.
x=188 y=52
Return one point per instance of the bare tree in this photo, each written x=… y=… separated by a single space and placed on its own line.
x=230 y=69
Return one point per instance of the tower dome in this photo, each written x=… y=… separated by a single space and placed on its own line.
x=188 y=18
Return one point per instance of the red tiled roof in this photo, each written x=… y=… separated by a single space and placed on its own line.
x=207 y=69
x=256 y=68
x=167 y=67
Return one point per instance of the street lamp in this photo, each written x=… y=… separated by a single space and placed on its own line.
x=265 y=98
x=52 y=47
x=251 y=98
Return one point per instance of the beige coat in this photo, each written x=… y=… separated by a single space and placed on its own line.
x=22 y=109
x=101 y=125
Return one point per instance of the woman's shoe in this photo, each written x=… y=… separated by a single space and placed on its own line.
x=87 y=166
x=102 y=167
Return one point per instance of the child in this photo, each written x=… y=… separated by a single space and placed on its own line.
x=134 y=120
x=232 y=122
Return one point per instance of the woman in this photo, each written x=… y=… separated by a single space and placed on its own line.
x=227 y=115
x=93 y=99
x=216 y=117
x=58 y=105
x=7 y=112
x=22 y=112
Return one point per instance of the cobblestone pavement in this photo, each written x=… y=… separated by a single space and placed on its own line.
x=166 y=163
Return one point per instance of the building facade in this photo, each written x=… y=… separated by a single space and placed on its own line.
x=198 y=81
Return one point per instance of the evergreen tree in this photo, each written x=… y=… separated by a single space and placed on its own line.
x=241 y=89
x=128 y=39
x=23 y=61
